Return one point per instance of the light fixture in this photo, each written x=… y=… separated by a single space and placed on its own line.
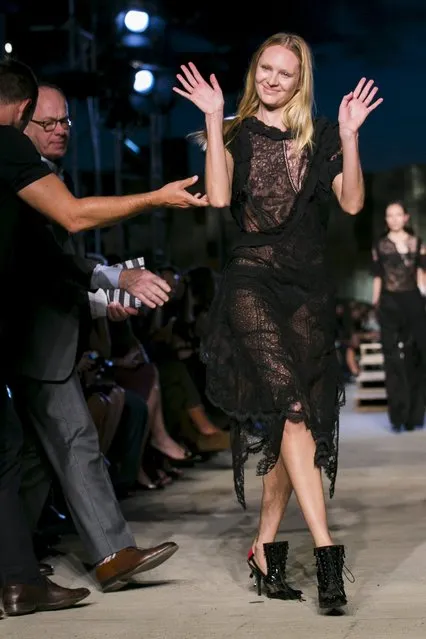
x=8 y=47
x=144 y=81
x=136 y=21
x=138 y=25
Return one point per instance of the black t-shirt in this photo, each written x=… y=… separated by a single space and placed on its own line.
x=20 y=166
x=32 y=264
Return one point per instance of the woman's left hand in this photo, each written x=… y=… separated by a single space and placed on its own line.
x=357 y=105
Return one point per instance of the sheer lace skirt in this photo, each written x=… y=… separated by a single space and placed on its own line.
x=270 y=358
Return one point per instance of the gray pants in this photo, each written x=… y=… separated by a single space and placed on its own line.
x=58 y=412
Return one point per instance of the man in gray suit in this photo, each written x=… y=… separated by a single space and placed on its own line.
x=48 y=394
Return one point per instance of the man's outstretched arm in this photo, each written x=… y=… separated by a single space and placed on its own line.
x=50 y=197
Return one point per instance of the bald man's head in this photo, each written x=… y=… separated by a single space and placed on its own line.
x=49 y=129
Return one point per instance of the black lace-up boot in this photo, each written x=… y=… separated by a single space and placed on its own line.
x=330 y=566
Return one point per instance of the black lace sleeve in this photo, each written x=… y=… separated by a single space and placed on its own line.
x=421 y=256
x=332 y=163
x=238 y=145
x=376 y=265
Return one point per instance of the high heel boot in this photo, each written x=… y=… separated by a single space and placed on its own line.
x=330 y=562
x=274 y=582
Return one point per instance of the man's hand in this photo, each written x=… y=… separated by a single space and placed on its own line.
x=149 y=288
x=118 y=313
x=174 y=194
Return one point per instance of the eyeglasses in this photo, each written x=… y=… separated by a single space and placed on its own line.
x=50 y=125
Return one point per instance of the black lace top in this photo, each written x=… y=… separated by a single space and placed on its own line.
x=269 y=348
x=398 y=271
x=275 y=177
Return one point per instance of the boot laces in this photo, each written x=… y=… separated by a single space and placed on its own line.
x=348 y=574
x=337 y=578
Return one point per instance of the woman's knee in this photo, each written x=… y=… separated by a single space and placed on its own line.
x=295 y=424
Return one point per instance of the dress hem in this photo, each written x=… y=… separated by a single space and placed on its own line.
x=326 y=453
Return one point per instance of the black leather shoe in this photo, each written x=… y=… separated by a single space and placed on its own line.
x=22 y=599
x=274 y=583
x=45 y=569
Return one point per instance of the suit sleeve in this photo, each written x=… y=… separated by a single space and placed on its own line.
x=57 y=274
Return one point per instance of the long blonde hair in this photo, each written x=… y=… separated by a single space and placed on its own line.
x=297 y=113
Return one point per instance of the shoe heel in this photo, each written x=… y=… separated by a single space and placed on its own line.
x=258 y=583
x=257 y=576
x=19 y=608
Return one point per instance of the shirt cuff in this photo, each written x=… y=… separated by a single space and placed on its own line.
x=105 y=277
x=98 y=304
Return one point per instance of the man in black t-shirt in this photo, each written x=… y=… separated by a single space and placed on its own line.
x=24 y=178
x=24 y=589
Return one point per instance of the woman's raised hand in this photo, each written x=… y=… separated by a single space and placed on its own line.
x=207 y=97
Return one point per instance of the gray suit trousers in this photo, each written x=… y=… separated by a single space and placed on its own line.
x=59 y=414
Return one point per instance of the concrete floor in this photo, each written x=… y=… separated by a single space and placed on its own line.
x=378 y=512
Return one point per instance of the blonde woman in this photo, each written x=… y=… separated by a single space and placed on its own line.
x=270 y=357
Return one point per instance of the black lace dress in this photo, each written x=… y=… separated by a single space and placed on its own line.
x=270 y=351
x=402 y=319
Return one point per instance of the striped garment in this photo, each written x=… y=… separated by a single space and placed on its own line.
x=121 y=296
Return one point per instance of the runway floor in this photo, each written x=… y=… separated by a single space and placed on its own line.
x=378 y=512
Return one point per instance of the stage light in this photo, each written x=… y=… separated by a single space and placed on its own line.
x=136 y=21
x=132 y=146
x=144 y=81
x=8 y=47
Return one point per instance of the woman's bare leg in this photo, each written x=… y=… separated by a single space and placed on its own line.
x=160 y=438
x=298 y=453
x=201 y=421
x=277 y=489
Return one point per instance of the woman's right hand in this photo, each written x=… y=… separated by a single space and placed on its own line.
x=207 y=97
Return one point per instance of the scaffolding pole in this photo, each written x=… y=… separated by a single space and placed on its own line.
x=72 y=61
x=82 y=56
x=118 y=184
x=158 y=216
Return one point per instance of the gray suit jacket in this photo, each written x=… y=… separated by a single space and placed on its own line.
x=50 y=332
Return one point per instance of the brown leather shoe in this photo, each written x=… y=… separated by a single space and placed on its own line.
x=129 y=562
x=22 y=599
x=45 y=569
